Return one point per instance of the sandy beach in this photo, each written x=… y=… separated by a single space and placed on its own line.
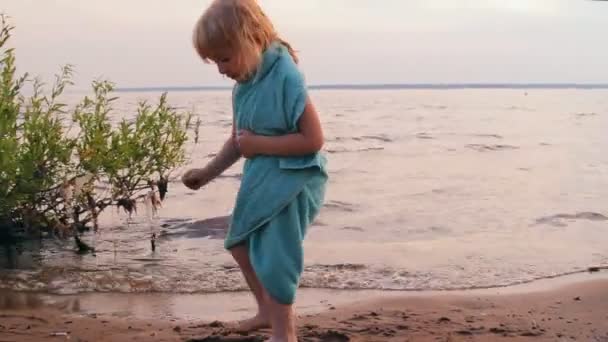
x=571 y=308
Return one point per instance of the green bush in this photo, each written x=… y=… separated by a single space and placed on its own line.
x=60 y=168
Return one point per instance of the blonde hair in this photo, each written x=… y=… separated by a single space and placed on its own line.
x=239 y=26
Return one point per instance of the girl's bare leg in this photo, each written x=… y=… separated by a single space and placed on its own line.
x=262 y=319
x=282 y=319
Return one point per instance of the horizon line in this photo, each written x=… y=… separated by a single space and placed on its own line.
x=388 y=86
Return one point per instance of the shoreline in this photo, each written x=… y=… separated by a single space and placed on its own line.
x=361 y=315
x=204 y=306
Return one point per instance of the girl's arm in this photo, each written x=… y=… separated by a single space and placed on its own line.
x=228 y=155
x=308 y=140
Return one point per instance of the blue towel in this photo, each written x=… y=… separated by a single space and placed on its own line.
x=279 y=197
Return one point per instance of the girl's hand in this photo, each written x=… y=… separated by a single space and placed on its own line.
x=245 y=141
x=194 y=179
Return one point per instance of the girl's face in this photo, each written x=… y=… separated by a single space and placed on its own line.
x=228 y=64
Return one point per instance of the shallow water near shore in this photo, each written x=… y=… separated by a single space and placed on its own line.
x=429 y=190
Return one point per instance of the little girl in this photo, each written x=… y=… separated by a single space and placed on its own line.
x=277 y=129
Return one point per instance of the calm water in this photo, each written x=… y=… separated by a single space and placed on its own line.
x=430 y=189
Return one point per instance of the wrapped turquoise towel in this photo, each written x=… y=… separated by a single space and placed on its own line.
x=279 y=196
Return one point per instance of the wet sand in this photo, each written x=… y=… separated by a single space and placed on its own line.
x=563 y=309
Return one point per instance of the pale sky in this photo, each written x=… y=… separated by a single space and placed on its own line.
x=146 y=43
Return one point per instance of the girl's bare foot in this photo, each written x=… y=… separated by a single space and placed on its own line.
x=258 y=322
